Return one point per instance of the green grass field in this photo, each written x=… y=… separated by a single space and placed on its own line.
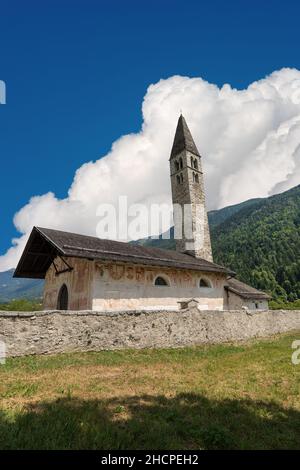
x=243 y=396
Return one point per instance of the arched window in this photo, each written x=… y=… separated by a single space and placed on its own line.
x=204 y=283
x=180 y=162
x=176 y=165
x=63 y=298
x=195 y=164
x=160 y=281
x=181 y=178
x=196 y=178
x=178 y=179
x=193 y=177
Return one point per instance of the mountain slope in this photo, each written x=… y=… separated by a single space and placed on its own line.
x=218 y=216
x=11 y=288
x=261 y=242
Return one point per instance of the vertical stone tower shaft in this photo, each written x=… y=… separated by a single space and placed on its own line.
x=188 y=194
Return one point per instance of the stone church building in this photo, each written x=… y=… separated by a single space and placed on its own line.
x=88 y=273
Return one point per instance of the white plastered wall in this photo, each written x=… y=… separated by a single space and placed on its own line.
x=130 y=287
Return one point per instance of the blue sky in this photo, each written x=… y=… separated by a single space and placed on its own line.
x=76 y=73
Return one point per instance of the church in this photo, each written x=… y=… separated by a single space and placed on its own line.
x=88 y=273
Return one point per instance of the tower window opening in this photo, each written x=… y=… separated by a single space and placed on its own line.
x=176 y=165
x=195 y=164
x=180 y=163
x=196 y=178
x=178 y=179
x=181 y=177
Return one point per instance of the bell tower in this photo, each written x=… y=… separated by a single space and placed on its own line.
x=188 y=195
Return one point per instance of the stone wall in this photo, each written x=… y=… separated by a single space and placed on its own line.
x=58 y=331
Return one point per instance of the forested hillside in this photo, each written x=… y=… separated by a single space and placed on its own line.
x=261 y=242
x=218 y=216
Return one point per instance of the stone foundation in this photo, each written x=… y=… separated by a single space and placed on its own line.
x=58 y=331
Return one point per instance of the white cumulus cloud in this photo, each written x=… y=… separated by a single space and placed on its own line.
x=249 y=141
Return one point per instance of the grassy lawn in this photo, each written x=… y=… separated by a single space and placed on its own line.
x=241 y=396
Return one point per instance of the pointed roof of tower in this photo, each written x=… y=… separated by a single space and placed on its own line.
x=183 y=139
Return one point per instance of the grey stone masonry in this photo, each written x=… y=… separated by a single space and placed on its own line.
x=188 y=192
x=67 y=331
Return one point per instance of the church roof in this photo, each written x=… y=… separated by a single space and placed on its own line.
x=245 y=291
x=183 y=139
x=45 y=244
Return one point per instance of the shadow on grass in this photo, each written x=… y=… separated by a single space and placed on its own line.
x=151 y=422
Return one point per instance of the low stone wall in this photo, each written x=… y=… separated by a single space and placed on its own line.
x=57 y=331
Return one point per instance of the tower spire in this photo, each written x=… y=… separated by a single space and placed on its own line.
x=183 y=139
